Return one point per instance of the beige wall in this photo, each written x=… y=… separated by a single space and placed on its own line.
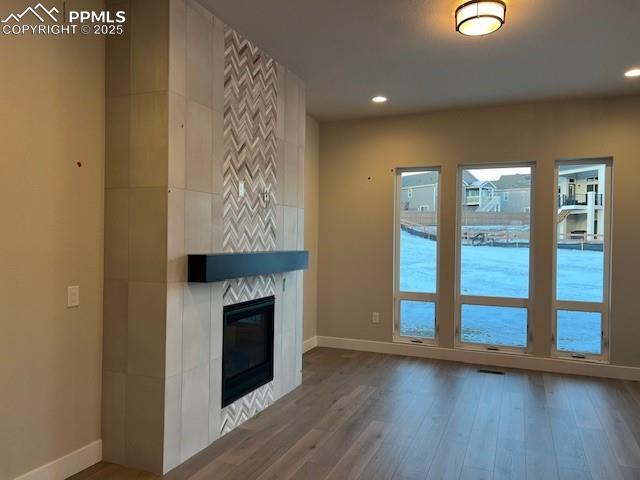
x=51 y=116
x=356 y=214
x=311 y=186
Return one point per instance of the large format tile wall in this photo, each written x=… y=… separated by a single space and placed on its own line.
x=165 y=192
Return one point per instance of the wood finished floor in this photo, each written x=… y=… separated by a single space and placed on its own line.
x=368 y=416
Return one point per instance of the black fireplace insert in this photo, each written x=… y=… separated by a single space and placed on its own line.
x=247 y=348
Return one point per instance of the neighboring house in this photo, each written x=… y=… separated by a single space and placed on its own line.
x=514 y=192
x=479 y=195
x=580 y=202
x=419 y=192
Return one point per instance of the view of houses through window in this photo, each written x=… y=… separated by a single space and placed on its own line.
x=416 y=254
x=494 y=256
x=494 y=241
x=581 y=306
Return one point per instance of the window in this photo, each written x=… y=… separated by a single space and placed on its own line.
x=494 y=274
x=416 y=255
x=582 y=262
x=505 y=196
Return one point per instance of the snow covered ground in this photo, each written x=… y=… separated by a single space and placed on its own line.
x=502 y=272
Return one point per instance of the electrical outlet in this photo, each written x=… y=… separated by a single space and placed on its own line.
x=73 y=296
x=241 y=188
x=375 y=317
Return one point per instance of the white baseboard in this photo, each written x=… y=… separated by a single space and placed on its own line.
x=497 y=359
x=68 y=465
x=309 y=343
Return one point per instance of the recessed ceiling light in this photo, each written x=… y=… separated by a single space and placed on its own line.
x=480 y=17
x=633 y=73
x=379 y=99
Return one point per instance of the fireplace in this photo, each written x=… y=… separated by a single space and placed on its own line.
x=247 y=355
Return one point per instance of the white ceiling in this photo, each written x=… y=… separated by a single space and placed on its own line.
x=349 y=50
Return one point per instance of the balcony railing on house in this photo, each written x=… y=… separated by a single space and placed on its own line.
x=579 y=199
x=472 y=200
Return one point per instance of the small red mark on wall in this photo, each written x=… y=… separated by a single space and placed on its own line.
x=79 y=164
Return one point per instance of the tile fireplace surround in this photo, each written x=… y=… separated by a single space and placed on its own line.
x=193 y=109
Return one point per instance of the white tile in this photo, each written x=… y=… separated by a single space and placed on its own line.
x=198 y=222
x=217 y=159
x=300 y=230
x=199 y=56
x=298 y=328
x=116 y=233
x=113 y=416
x=146 y=329
x=302 y=113
x=196 y=325
x=280 y=173
x=117 y=141
x=277 y=336
x=289 y=297
x=148 y=234
x=215 y=398
x=178 y=46
x=218 y=64
x=149 y=24
x=175 y=306
x=290 y=174
x=199 y=143
x=172 y=420
x=217 y=223
x=116 y=311
x=280 y=227
x=144 y=430
x=300 y=180
x=194 y=434
x=177 y=140
x=148 y=144
x=217 y=306
x=176 y=253
x=290 y=228
x=281 y=102
x=291 y=116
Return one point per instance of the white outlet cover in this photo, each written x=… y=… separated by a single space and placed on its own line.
x=375 y=317
x=241 y=188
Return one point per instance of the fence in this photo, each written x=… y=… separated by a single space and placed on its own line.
x=469 y=218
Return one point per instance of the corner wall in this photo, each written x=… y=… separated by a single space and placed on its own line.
x=311 y=210
x=356 y=214
x=51 y=117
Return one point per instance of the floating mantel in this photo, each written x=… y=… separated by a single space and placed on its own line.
x=215 y=267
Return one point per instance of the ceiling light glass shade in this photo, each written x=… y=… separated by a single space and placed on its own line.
x=633 y=73
x=379 y=99
x=480 y=17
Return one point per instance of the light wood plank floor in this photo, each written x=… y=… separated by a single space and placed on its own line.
x=370 y=416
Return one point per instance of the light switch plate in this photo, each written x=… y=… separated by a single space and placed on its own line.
x=375 y=317
x=73 y=296
x=241 y=188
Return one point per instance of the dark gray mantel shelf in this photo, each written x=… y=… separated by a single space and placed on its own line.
x=216 y=267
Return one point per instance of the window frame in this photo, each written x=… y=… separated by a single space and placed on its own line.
x=399 y=295
x=604 y=307
x=460 y=299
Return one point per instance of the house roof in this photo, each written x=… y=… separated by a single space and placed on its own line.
x=468 y=178
x=518 y=180
x=425 y=178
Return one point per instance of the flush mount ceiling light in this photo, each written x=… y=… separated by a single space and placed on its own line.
x=633 y=73
x=379 y=99
x=480 y=17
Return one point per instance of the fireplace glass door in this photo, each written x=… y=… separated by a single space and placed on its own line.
x=247 y=358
